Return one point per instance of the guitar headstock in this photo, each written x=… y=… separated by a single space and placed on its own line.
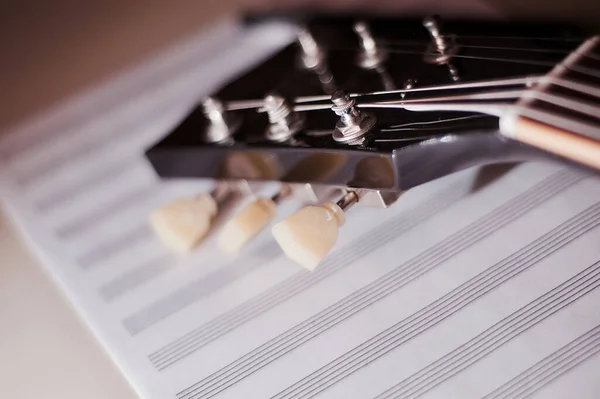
x=306 y=118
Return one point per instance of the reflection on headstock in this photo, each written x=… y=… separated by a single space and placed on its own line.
x=292 y=120
x=248 y=165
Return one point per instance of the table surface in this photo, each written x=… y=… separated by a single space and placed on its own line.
x=46 y=350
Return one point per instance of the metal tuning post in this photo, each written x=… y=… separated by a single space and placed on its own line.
x=182 y=224
x=221 y=124
x=442 y=48
x=369 y=54
x=354 y=124
x=309 y=234
x=251 y=220
x=312 y=56
x=284 y=122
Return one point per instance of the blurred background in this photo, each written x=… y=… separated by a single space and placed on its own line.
x=51 y=49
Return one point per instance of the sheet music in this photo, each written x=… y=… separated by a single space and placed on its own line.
x=480 y=284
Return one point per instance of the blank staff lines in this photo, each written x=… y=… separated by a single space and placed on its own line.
x=446 y=306
x=84 y=223
x=389 y=232
x=200 y=288
x=98 y=177
x=385 y=285
x=497 y=335
x=86 y=149
x=550 y=368
x=128 y=281
x=114 y=245
x=374 y=238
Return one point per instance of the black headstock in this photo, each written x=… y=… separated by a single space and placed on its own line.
x=403 y=148
x=357 y=109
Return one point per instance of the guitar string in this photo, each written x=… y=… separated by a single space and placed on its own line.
x=408 y=125
x=428 y=126
x=496 y=95
x=461 y=45
x=561 y=39
x=474 y=57
x=499 y=108
x=455 y=36
x=571 y=84
x=248 y=104
x=430 y=101
x=528 y=80
x=566 y=102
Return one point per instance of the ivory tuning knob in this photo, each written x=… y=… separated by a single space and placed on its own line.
x=251 y=220
x=245 y=225
x=182 y=224
x=309 y=234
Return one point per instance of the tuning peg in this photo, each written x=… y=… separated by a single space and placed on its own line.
x=442 y=48
x=312 y=55
x=309 y=234
x=245 y=225
x=250 y=221
x=221 y=124
x=284 y=122
x=354 y=125
x=369 y=55
x=183 y=223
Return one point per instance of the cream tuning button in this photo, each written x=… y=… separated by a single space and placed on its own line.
x=309 y=234
x=245 y=225
x=182 y=224
x=250 y=221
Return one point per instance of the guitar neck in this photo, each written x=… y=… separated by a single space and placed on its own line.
x=561 y=114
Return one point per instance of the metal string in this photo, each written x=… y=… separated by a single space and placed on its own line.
x=457 y=102
x=405 y=104
x=473 y=57
x=411 y=124
x=415 y=43
x=527 y=80
x=556 y=39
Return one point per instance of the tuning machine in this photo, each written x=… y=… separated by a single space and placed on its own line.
x=354 y=124
x=443 y=47
x=370 y=56
x=284 y=122
x=184 y=222
x=250 y=221
x=312 y=55
x=313 y=58
x=309 y=234
x=257 y=215
x=221 y=124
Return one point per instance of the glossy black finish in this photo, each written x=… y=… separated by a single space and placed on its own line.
x=390 y=160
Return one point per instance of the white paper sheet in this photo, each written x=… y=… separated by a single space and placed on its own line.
x=460 y=290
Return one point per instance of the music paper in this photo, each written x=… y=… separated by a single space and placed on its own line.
x=483 y=284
